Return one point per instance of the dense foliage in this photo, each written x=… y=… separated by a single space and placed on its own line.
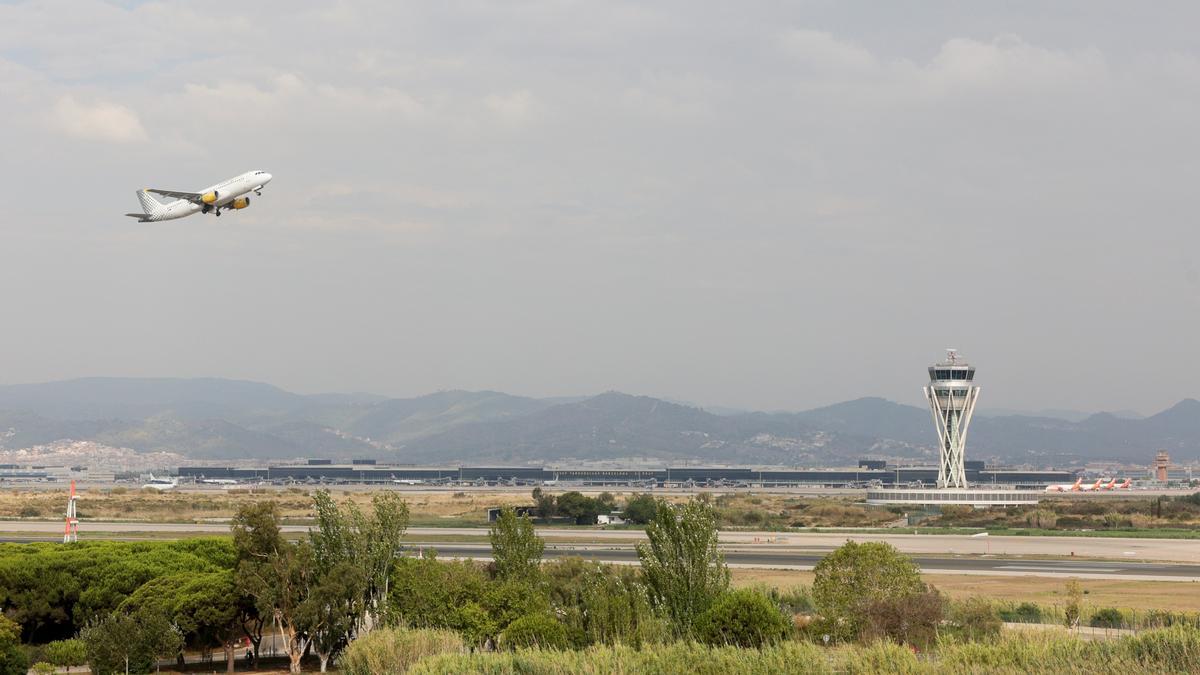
x=516 y=550
x=132 y=643
x=745 y=618
x=535 y=630
x=858 y=580
x=13 y=660
x=683 y=568
x=54 y=590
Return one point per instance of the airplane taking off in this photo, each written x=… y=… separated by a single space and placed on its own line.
x=230 y=194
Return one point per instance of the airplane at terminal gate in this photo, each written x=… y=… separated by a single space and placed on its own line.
x=1075 y=487
x=229 y=194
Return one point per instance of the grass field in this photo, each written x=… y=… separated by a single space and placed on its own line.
x=1045 y=591
x=451 y=508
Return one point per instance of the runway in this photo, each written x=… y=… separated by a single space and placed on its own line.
x=955 y=554
x=980 y=565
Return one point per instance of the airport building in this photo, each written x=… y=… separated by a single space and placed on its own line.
x=868 y=473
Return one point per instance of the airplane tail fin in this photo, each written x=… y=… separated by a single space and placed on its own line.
x=152 y=206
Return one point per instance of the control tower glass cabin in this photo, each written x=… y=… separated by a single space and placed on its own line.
x=952 y=394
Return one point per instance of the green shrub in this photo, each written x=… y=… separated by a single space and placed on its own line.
x=1026 y=612
x=744 y=618
x=43 y=668
x=1108 y=617
x=66 y=653
x=976 y=619
x=385 y=651
x=535 y=630
x=795 y=600
x=857 y=575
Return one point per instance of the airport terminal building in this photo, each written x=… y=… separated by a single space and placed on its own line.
x=867 y=473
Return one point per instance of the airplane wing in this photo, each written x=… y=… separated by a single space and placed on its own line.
x=190 y=196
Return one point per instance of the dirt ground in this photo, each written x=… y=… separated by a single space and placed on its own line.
x=1046 y=591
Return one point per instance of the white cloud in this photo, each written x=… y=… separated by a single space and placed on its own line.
x=100 y=121
x=1008 y=63
x=822 y=51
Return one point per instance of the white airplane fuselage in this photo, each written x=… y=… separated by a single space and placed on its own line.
x=228 y=194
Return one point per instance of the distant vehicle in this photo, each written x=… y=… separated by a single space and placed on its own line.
x=1075 y=487
x=229 y=194
x=161 y=484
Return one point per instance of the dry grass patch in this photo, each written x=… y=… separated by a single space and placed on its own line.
x=1045 y=591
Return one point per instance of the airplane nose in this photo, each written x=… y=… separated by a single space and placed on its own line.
x=267 y=179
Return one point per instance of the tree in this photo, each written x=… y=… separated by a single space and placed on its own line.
x=856 y=575
x=353 y=553
x=159 y=637
x=744 y=618
x=13 y=660
x=606 y=502
x=546 y=507
x=207 y=608
x=276 y=573
x=580 y=507
x=130 y=643
x=66 y=653
x=332 y=612
x=684 y=570
x=640 y=509
x=516 y=549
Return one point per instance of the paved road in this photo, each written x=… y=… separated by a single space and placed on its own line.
x=743 y=557
x=1122 y=549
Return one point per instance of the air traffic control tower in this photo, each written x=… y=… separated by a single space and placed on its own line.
x=952 y=393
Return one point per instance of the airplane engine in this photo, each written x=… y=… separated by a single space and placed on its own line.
x=210 y=197
x=240 y=203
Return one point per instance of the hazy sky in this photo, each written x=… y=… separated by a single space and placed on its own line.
x=769 y=205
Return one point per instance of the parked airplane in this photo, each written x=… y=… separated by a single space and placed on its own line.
x=1094 y=486
x=1113 y=485
x=160 y=484
x=230 y=194
x=1076 y=487
x=218 y=481
x=408 y=481
x=1109 y=485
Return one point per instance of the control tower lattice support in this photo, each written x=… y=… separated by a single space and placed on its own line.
x=952 y=394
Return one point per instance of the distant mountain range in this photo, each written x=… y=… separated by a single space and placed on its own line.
x=215 y=419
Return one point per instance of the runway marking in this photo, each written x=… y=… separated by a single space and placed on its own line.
x=1072 y=568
